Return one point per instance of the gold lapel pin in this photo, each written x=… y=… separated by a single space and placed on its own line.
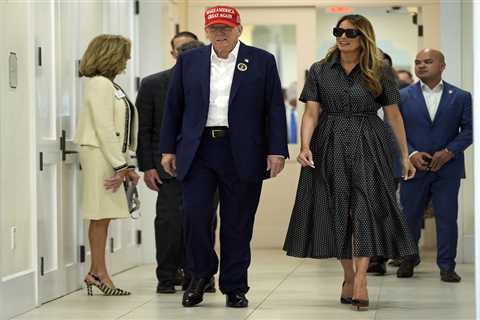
x=242 y=67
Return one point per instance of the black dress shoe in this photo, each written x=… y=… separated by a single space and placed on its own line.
x=194 y=294
x=378 y=268
x=398 y=261
x=450 y=276
x=236 y=300
x=395 y=262
x=166 y=287
x=406 y=269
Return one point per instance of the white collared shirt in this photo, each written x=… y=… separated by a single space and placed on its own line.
x=432 y=97
x=221 y=78
x=432 y=100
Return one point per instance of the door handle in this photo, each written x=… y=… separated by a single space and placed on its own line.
x=63 y=146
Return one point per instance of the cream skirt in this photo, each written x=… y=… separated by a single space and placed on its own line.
x=99 y=203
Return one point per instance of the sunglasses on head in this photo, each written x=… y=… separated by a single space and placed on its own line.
x=350 y=33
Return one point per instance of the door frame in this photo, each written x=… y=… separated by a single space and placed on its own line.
x=66 y=276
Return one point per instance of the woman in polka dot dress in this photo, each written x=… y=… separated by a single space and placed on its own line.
x=345 y=204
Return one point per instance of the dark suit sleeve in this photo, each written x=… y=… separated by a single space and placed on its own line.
x=402 y=103
x=465 y=136
x=173 y=112
x=146 y=116
x=276 y=118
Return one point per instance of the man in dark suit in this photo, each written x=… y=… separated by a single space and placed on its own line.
x=438 y=124
x=224 y=127
x=168 y=219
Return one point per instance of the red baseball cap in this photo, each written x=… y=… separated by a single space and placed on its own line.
x=222 y=15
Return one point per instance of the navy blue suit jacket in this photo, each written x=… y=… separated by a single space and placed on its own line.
x=256 y=113
x=451 y=128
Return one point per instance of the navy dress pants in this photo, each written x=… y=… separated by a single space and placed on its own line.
x=414 y=196
x=213 y=168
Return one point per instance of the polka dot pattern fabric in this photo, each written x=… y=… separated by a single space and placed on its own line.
x=347 y=205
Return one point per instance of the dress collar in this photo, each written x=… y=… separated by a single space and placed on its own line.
x=437 y=88
x=232 y=56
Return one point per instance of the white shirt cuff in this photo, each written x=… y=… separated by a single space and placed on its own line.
x=411 y=154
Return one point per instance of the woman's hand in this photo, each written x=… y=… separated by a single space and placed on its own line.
x=408 y=169
x=115 y=181
x=305 y=158
x=133 y=176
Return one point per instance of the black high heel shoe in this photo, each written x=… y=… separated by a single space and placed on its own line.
x=107 y=291
x=360 y=305
x=346 y=300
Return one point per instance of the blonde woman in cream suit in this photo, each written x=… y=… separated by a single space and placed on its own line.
x=107 y=134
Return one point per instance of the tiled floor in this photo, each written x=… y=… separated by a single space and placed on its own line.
x=282 y=288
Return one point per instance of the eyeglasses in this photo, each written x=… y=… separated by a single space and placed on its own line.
x=350 y=33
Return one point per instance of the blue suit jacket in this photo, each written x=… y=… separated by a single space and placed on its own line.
x=451 y=128
x=256 y=113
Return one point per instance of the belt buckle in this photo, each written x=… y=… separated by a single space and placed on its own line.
x=214 y=133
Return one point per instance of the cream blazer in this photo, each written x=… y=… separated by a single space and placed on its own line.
x=106 y=122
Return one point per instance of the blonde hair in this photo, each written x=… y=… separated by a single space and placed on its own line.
x=371 y=62
x=106 y=56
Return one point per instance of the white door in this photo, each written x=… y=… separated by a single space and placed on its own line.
x=3 y=9
x=113 y=17
x=58 y=240
x=124 y=240
x=86 y=30
x=18 y=261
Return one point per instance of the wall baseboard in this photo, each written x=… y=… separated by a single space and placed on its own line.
x=17 y=295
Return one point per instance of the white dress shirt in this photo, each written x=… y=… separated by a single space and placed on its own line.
x=432 y=97
x=432 y=100
x=221 y=78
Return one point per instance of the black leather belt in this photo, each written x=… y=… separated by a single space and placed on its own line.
x=216 y=132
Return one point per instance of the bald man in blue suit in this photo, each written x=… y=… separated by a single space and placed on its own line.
x=224 y=127
x=438 y=124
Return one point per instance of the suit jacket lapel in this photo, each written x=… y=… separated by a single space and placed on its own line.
x=444 y=100
x=421 y=104
x=205 y=74
x=238 y=74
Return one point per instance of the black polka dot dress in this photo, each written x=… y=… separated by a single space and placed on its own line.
x=350 y=195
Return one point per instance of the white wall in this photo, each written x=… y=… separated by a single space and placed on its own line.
x=156 y=28
x=401 y=46
x=456 y=42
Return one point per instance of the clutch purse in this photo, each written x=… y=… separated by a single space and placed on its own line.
x=132 y=199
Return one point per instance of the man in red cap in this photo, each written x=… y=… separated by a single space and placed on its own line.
x=224 y=127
